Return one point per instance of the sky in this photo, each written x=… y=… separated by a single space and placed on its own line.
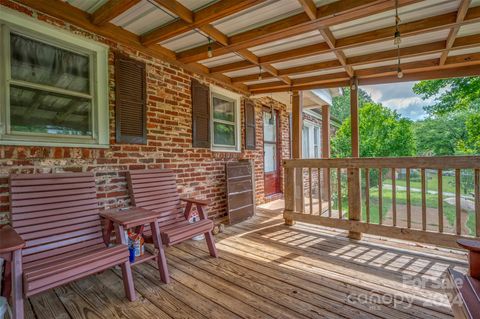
x=399 y=97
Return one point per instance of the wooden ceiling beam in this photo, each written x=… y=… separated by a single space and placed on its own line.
x=202 y=17
x=310 y=8
x=81 y=19
x=201 y=21
x=440 y=22
x=177 y=8
x=110 y=10
x=406 y=52
x=461 y=13
x=455 y=66
x=331 y=41
x=327 y=15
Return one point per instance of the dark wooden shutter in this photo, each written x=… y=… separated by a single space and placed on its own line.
x=250 y=135
x=130 y=101
x=200 y=115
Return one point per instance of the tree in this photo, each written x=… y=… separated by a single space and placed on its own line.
x=341 y=104
x=440 y=134
x=450 y=94
x=382 y=133
x=456 y=95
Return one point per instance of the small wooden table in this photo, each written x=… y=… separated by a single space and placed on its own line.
x=11 y=245
x=124 y=218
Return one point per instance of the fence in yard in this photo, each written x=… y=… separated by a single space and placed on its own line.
x=432 y=200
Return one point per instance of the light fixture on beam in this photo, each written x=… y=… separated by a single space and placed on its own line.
x=259 y=72
x=397 y=40
x=209 y=50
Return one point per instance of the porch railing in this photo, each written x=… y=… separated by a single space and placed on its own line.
x=388 y=196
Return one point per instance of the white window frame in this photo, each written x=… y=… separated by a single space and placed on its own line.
x=235 y=98
x=311 y=139
x=11 y=21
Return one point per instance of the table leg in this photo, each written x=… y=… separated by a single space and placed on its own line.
x=17 y=285
x=126 y=267
x=107 y=233
x=161 y=260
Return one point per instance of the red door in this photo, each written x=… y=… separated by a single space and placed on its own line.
x=271 y=151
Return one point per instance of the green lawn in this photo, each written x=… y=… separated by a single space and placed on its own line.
x=416 y=200
x=448 y=185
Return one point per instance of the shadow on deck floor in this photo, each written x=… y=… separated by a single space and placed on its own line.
x=268 y=270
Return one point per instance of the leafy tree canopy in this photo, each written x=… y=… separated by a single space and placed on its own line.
x=382 y=133
x=341 y=104
x=440 y=135
x=450 y=94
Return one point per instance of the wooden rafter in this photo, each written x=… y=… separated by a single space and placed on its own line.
x=330 y=39
x=70 y=14
x=460 y=65
x=327 y=15
x=461 y=13
x=250 y=58
x=177 y=8
x=406 y=52
x=376 y=36
x=311 y=10
x=111 y=9
x=202 y=17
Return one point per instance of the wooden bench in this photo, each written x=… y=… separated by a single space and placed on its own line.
x=57 y=218
x=156 y=190
x=464 y=289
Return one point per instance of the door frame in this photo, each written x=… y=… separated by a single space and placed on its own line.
x=278 y=189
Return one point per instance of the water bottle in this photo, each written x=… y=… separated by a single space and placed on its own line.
x=4 y=307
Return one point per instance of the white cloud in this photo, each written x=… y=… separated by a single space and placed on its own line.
x=399 y=97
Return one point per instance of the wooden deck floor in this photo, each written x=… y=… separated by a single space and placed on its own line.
x=268 y=270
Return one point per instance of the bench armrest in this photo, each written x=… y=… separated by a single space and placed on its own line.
x=201 y=202
x=10 y=240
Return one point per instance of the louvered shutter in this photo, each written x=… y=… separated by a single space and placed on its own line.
x=200 y=115
x=130 y=101
x=250 y=140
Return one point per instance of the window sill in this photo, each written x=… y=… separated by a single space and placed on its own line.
x=52 y=144
x=219 y=150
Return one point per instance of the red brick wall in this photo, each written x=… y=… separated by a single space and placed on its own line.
x=200 y=172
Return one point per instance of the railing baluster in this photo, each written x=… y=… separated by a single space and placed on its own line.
x=367 y=194
x=394 y=197
x=320 y=202
x=329 y=193
x=409 y=204
x=440 y=200
x=339 y=191
x=380 y=197
x=310 y=189
x=458 y=222
x=424 y=199
x=477 y=201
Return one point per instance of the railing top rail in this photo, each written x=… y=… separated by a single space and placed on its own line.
x=437 y=162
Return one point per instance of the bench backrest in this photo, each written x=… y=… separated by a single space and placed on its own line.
x=156 y=189
x=55 y=214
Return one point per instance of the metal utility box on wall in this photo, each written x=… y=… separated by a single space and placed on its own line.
x=240 y=190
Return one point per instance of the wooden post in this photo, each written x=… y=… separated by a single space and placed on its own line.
x=289 y=195
x=325 y=148
x=354 y=187
x=297 y=123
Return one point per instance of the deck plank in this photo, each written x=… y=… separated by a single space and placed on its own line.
x=268 y=270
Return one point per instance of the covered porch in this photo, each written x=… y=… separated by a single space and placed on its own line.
x=188 y=87
x=268 y=270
